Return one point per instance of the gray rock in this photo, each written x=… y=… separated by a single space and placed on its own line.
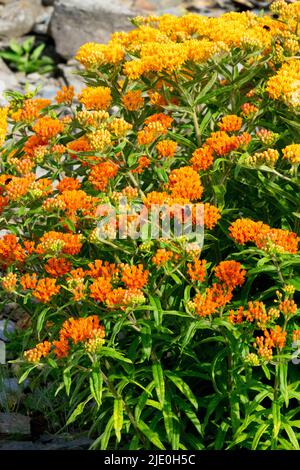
x=14 y=423
x=8 y=81
x=42 y=23
x=10 y=392
x=70 y=77
x=7 y=327
x=57 y=443
x=75 y=22
x=18 y=17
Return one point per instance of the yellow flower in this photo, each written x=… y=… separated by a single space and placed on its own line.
x=95 y=98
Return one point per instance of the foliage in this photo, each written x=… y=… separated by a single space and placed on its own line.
x=160 y=343
x=25 y=57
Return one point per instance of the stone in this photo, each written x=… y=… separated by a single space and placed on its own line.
x=7 y=327
x=11 y=392
x=8 y=81
x=69 y=73
x=75 y=22
x=42 y=22
x=14 y=424
x=51 y=443
x=18 y=17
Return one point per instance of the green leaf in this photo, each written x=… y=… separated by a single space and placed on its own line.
x=106 y=435
x=151 y=435
x=67 y=380
x=146 y=341
x=41 y=320
x=276 y=419
x=118 y=417
x=96 y=386
x=157 y=309
x=295 y=281
x=109 y=352
x=159 y=382
x=206 y=89
x=142 y=401
x=183 y=387
x=37 y=52
x=26 y=373
x=15 y=47
x=292 y=436
x=185 y=407
x=261 y=430
x=78 y=411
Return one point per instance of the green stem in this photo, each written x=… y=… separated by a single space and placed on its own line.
x=197 y=130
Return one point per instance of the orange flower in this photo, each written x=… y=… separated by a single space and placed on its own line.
x=133 y=100
x=57 y=266
x=197 y=270
x=161 y=118
x=10 y=250
x=65 y=95
x=257 y=312
x=45 y=289
x=243 y=140
x=134 y=277
x=32 y=143
x=166 y=148
x=47 y=127
x=78 y=289
x=3 y=203
x=102 y=173
x=77 y=200
x=80 y=145
x=28 y=281
x=68 y=183
x=162 y=256
x=101 y=269
x=288 y=307
x=61 y=348
x=143 y=162
x=249 y=110
x=35 y=354
x=214 y=297
x=202 y=158
x=57 y=241
x=100 y=289
x=230 y=273
x=185 y=183
x=296 y=335
x=236 y=317
x=230 y=123
x=245 y=230
x=96 y=98
x=221 y=143
x=211 y=215
x=30 y=110
x=115 y=298
x=19 y=186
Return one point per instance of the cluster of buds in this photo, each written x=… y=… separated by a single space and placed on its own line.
x=268 y=157
x=267 y=137
x=9 y=282
x=252 y=359
x=94 y=345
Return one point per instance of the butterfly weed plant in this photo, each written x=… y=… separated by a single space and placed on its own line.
x=159 y=342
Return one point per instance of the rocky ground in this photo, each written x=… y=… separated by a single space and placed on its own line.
x=63 y=25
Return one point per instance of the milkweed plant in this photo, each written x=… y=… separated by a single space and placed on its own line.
x=150 y=337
